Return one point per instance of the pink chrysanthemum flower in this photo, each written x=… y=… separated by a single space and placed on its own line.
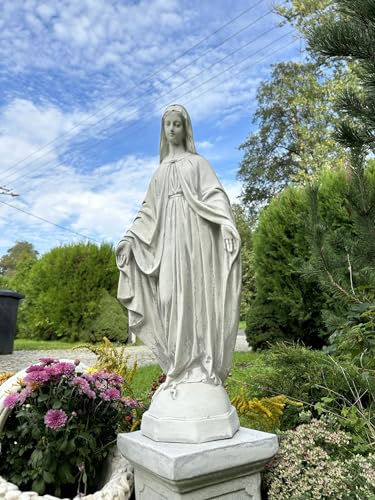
x=61 y=368
x=11 y=400
x=24 y=394
x=34 y=368
x=111 y=393
x=47 y=361
x=55 y=419
x=38 y=377
x=84 y=387
x=133 y=403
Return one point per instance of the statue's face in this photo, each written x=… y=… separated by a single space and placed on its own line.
x=174 y=128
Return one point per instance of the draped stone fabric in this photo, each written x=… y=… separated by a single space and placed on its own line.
x=180 y=285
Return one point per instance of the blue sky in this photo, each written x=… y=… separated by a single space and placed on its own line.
x=83 y=86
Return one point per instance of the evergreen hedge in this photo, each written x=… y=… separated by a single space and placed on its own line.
x=70 y=294
x=290 y=302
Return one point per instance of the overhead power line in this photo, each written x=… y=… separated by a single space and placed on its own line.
x=193 y=98
x=7 y=191
x=144 y=80
x=147 y=105
x=48 y=221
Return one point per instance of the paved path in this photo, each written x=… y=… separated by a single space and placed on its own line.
x=21 y=359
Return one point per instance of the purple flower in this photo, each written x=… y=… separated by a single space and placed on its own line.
x=24 y=394
x=47 y=361
x=116 y=379
x=35 y=368
x=84 y=387
x=130 y=402
x=111 y=393
x=61 y=368
x=55 y=419
x=37 y=376
x=11 y=400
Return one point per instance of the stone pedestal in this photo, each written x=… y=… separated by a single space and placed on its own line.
x=224 y=469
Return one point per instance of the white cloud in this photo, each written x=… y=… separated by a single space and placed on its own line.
x=100 y=204
x=106 y=69
x=233 y=190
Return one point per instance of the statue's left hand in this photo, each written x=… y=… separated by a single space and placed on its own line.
x=230 y=238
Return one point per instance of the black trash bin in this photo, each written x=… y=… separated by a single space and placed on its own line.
x=8 y=318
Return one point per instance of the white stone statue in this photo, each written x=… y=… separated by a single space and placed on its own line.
x=180 y=279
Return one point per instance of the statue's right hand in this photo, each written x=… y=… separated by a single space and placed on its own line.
x=123 y=253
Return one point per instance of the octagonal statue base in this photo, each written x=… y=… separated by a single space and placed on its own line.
x=194 y=412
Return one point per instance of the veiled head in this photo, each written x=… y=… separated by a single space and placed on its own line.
x=188 y=139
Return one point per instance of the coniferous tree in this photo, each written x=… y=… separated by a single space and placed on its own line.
x=345 y=256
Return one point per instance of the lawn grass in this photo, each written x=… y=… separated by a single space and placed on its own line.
x=242 y=325
x=243 y=366
x=42 y=345
x=144 y=378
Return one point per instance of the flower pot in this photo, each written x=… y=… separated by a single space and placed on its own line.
x=116 y=482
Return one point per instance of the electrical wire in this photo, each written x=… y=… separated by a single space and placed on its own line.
x=48 y=221
x=136 y=86
x=147 y=105
x=193 y=98
x=27 y=165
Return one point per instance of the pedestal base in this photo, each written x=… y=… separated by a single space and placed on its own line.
x=224 y=469
x=194 y=412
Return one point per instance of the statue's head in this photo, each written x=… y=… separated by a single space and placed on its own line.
x=176 y=111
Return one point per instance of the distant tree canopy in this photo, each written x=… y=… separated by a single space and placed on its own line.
x=70 y=293
x=20 y=254
x=292 y=143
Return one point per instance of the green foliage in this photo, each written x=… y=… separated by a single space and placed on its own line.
x=353 y=337
x=108 y=320
x=313 y=462
x=292 y=143
x=42 y=345
x=263 y=414
x=18 y=258
x=244 y=225
x=308 y=375
x=349 y=34
x=61 y=428
x=314 y=260
x=343 y=258
x=288 y=303
x=69 y=295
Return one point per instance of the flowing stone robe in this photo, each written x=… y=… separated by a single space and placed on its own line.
x=180 y=286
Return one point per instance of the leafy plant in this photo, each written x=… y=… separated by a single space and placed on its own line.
x=353 y=410
x=61 y=427
x=113 y=359
x=264 y=413
x=314 y=462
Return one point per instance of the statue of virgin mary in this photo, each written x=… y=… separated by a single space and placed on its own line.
x=180 y=279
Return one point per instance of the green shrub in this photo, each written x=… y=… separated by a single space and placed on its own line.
x=109 y=320
x=308 y=376
x=67 y=292
x=287 y=304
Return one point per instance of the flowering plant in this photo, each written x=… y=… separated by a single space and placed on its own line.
x=61 y=428
x=314 y=462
